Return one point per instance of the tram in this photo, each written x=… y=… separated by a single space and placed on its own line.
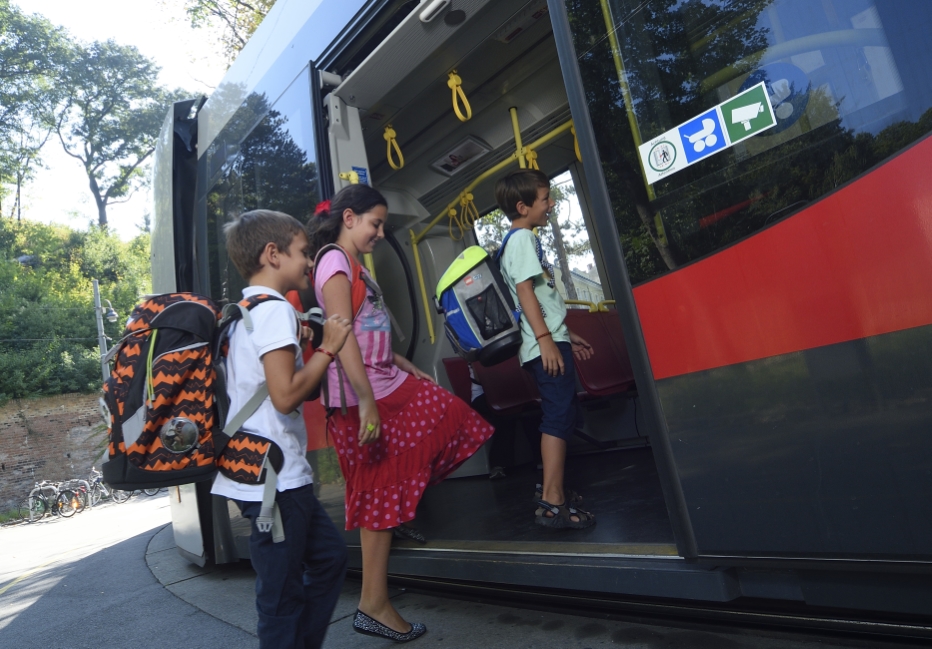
x=753 y=177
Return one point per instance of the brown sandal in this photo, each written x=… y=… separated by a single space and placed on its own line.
x=561 y=516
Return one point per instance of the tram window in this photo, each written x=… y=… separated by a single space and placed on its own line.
x=274 y=167
x=567 y=245
x=850 y=83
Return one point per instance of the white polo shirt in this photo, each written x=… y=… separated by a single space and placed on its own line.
x=274 y=327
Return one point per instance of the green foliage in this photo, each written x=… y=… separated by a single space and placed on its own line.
x=48 y=330
x=237 y=20
x=112 y=117
x=32 y=54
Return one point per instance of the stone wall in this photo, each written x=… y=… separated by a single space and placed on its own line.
x=52 y=438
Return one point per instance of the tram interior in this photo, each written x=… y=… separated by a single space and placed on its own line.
x=506 y=56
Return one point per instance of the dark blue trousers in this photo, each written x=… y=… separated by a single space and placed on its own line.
x=298 y=580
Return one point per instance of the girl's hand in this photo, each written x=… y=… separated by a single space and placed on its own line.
x=370 y=426
x=407 y=366
x=336 y=330
x=581 y=349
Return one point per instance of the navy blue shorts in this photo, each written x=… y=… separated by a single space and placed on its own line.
x=562 y=413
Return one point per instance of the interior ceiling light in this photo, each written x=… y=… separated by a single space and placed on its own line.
x=433 y=9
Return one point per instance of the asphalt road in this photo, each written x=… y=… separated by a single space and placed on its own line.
x=110 y=578
x=83 y=583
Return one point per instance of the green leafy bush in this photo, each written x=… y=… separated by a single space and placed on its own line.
x=48 y=329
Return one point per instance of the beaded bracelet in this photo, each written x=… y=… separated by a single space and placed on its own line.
x=543 y=335
x=332 y=356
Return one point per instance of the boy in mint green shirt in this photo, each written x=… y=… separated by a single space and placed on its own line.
x=547 y=345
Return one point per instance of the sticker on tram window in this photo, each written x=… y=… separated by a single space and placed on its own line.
x=741 y=117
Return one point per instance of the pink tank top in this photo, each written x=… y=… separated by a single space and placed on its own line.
x=373 y=331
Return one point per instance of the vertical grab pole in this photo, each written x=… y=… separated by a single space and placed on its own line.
x=519 y=147
x=420 y=279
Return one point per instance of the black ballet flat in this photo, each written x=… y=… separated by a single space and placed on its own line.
x=364 y=624
x=405 y=532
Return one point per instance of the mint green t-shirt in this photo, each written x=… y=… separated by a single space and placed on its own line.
x=519 y=262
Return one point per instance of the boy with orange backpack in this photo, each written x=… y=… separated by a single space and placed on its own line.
x=298 y=577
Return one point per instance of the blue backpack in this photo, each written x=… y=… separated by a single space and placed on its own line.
x=480 y=318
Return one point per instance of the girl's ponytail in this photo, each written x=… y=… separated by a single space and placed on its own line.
x=325 y=225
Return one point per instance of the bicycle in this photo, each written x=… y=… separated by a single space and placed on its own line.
x=100 y=489
x=45 y=498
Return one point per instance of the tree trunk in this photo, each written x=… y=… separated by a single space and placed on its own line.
x=101 y=203
x=562 y=260
x=19 y=206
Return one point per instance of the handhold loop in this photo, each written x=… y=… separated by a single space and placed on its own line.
x=531 y=157
x=470 y=212
x=576 y=143
x=392 y=143
x=454 y=219
x=455 y=84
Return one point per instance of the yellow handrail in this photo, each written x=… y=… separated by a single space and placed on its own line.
x=592 y=307
x=455 y=84
x=420 y=279
x=576 y=144
x=603 y=305
x=519 y=148
x=392 y=143
x=537 y=144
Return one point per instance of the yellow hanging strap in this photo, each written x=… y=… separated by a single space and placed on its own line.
x=576 y=144
x=455 y=84
x=454 y=219
x=531 y=157
x=392 y=143
x=466 y=218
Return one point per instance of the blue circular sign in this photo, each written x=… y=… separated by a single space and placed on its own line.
x=788 y=88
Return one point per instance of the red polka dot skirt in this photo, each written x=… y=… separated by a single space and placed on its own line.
x=426 y=434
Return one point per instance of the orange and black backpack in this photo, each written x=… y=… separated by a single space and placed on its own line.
x=167 y=403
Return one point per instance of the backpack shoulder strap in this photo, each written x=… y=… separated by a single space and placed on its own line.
x=498 y=255
x=358 y=286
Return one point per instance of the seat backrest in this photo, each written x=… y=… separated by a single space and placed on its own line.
x=609 y=370
x=508 y=388
x=458 y=373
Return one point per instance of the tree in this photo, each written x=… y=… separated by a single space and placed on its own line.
x=492 y=228
x=111 y=118
x=236 y=19
x=32 y=54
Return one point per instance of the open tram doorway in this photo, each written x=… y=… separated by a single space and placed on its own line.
x=399 y=118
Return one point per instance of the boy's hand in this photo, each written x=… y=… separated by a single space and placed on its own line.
x=336 y=329
x=551 y=357
x=370 y=426
x=581 y=349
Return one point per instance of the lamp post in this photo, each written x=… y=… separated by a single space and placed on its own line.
x=111 y=316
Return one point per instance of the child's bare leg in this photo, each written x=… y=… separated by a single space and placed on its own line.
x=374 y=600
x=553 y=457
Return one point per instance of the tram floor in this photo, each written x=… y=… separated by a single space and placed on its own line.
x=620 y=487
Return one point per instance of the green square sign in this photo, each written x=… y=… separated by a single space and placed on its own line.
x=748 y=114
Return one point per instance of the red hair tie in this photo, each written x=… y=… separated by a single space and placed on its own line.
x=322 y=209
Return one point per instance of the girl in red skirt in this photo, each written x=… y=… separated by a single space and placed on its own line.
x=400 y=432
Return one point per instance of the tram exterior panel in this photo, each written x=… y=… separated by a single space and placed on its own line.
x=773 y=293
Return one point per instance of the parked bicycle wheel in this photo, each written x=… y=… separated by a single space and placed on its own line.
x=80 y=499
x=32 y=509
x=95 y=495
x=150 y=492
x=120 y=496
x=68 y=503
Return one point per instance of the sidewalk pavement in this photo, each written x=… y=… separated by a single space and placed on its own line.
x=227 y=593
